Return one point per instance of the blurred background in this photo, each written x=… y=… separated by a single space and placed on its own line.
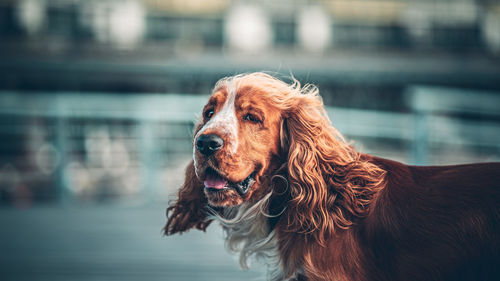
x=98 y=99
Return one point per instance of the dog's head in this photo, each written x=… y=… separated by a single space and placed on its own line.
x=253 y=127
x=237 y=143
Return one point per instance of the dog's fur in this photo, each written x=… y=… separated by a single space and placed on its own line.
x=319 y=209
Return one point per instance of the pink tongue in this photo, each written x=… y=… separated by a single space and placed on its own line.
x=214 y=181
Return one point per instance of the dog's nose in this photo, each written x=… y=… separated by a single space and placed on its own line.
x=209 y=144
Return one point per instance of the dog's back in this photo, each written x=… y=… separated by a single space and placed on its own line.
x=435 y=223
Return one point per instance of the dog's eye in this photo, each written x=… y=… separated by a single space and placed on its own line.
x=209 y=113
x=251 y=118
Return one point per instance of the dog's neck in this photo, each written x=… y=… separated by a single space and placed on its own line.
x=248 y=231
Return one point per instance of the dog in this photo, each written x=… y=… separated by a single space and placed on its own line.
x=285 y=185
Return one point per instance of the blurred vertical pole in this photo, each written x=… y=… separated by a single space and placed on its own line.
x=63 y=193
x=421 y=118
x=149 y=159
x=420 y=147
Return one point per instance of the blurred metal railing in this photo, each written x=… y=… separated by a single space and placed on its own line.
x=455 y=117
x=100 y=145
x=96 y=145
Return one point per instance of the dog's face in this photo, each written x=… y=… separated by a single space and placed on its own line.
x=236 y=143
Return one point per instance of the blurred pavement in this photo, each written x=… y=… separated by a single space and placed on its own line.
x=110 y=242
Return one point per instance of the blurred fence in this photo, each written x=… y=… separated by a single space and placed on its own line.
x=77 y=147
x=445 y=126
x=460 y=118
x=93 y=146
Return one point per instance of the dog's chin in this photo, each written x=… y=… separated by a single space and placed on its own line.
x=223 y=197
x=221 y=192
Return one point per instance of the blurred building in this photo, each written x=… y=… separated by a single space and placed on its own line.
x=98 y=96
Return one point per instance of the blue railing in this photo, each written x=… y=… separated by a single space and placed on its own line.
x=97 y=146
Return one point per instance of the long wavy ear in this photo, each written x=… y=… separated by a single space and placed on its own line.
x=329 y=183
x=189 y=210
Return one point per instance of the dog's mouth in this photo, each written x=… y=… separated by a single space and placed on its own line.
x=214 y=182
